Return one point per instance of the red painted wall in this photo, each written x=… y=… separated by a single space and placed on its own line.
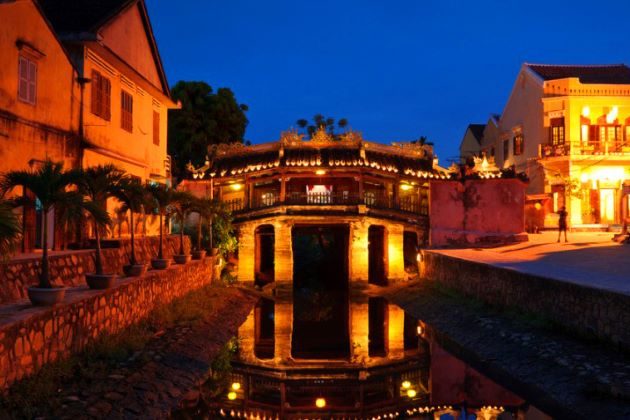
x=476 y=212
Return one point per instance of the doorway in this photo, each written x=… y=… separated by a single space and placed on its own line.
x=607 y=205
x=320 y=292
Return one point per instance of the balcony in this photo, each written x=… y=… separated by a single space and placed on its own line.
x=591 y=148
x=319 y=201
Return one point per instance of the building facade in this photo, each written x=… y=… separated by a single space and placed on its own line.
x=568 y=129
x=367 y=199
x=82 y=84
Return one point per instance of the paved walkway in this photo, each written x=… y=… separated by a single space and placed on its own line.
x=589 y=259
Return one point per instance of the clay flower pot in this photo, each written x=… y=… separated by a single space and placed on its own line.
x=199 y=254
x=160 y=264
x=182 y=259
x=46 y=297
x=135 y=270
x=100 y=281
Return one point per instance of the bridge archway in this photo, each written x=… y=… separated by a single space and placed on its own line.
x=264 y=263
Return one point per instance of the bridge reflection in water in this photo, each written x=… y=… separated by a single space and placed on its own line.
x=382 y=363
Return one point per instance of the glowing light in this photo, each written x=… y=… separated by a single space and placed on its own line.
x=411 y=393
x=405 y=187
x=419 y=329
x=320 y=402
x=236 y=386
x=320 y=172
x=584 y=178
x=406 y=384
x=585 y=132
x=236 y=187
x=537 y=206
x=586 y=111
x=612 y=115
x=231 y=395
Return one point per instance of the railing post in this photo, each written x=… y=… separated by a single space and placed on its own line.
x=283 y=189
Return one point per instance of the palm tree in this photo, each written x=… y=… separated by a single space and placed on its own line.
x=205 y=208
x=183 y=205
x=49 y=183
x=10 y=229
x=98 y=183
x=163 y=198
x=131 y=195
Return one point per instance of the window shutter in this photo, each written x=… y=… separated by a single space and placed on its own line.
x=107 y=96
x=94 y=88
x=32 y=76
x=156 y=128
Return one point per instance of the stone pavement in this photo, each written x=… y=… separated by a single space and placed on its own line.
x=563 y=376
x=588 y=259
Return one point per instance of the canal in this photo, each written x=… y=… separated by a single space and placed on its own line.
x=346 y=355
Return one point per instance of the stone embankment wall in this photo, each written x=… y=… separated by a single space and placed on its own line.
x=69 y=268
x=588 y=311
x=31 y=337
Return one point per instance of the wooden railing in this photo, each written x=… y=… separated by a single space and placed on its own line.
x=371 y=199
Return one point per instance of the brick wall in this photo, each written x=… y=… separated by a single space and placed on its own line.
x=69 y=267
x=31 y=337
x=586 y=310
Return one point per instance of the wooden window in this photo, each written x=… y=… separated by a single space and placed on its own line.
x=126 y=111
x=27 y=80
x=518 y=144
x=506 y=149
x=101 y=96
x=557 y=131
x=156 y=128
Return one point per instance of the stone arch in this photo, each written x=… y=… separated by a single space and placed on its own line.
x=264 y=254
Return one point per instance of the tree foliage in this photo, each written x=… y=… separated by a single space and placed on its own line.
x=205 y=118
x=319 y=120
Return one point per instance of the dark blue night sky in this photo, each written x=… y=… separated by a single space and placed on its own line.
x=395 y=69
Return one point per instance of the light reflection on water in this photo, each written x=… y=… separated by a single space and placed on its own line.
x=307 y=356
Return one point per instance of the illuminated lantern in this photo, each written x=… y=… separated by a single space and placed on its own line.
x=320 y=402
x=538 y=206
x=406 y=384
x=236 y=386
x=231 y=395
x=411 y=393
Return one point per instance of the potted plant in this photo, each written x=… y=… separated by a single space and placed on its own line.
x=98 y=183
x=131 y=194
x=183 y=205
x=50 y=184
x=10 y=229
x=162 y=197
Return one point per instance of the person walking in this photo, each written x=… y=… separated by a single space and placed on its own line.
x=562 y=223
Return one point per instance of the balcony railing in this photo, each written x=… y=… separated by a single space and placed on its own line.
x=588 y=148
x=371 y=199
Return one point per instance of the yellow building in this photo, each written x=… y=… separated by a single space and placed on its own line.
x=568 y=128
x=82 y=84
